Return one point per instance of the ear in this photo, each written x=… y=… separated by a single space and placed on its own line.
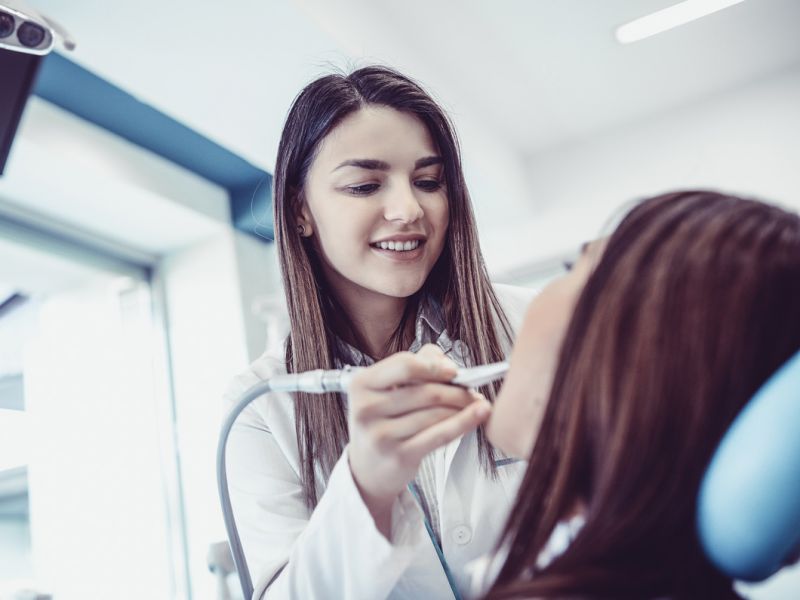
x=303 y=217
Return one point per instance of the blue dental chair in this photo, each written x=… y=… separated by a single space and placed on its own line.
x=748 y=512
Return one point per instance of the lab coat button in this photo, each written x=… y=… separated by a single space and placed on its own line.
x=462 y=535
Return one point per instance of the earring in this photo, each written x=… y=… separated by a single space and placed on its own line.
x=301 y=230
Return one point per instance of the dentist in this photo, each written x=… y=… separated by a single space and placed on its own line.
x=390 y=491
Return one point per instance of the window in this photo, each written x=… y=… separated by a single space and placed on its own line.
x=83 y=473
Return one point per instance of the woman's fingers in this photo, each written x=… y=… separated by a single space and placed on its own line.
x=390 y=432
x=403 y=400
x=445 y=431
x=400 y=409
x=432 y=352
x=429 y=364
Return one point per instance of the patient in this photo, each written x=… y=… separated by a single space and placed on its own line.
x=626 y=374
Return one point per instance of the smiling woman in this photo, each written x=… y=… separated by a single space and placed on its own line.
x=380 y=224
x=390 y=491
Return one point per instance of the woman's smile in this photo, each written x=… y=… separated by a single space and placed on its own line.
x=400 y=248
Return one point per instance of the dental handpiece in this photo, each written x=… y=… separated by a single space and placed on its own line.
x=321 y=381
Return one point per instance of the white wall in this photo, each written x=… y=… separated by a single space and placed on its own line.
x=92 y=185
x=746 y=141
x=15 y=550
x=259 y=280
x=213 y=334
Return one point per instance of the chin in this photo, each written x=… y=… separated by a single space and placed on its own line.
x=402 y=289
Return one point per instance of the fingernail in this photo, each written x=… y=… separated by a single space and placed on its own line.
x=477 y=396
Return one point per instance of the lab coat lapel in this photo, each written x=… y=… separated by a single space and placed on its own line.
x=450 y=451
x=459 y=353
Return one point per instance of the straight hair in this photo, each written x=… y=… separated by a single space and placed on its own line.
x=693 y=305
x=458 y=281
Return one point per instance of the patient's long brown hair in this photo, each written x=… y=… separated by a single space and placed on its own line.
x=459 y=280
x=695 y=302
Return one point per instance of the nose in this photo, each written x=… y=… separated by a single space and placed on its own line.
x=402 y=205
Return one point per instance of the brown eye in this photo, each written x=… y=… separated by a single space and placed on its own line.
x=428 y=185
x=362 y=190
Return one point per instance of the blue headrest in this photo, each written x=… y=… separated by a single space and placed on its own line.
x=748 y=513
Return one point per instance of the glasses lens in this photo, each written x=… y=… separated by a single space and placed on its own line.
x=6 y=25
x=30 y=35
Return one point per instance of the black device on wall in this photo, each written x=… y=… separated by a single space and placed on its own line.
x=17 y=76
x=26 y=36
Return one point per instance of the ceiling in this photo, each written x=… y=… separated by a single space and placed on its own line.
x=522 y=79
x=519 y=77
x=524 y=75
x=541 y=73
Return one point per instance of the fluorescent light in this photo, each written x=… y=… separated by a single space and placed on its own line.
x=673 y=16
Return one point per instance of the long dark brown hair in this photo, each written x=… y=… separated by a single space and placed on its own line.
x=458 y=280
x=695 y=302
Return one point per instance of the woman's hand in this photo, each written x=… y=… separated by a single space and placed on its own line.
x=400 y=409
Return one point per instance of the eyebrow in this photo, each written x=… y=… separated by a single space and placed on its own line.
x=380 y=165
x=365 y=163
x=428 y=161
x=584 y=248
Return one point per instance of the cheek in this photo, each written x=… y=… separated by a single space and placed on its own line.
x=442 y=214
x=438 y=215
x=341 y=230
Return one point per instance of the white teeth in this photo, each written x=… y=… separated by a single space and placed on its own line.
x=398 y=246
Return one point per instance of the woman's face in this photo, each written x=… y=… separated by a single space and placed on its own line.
x=376 y=204
x=520 y=405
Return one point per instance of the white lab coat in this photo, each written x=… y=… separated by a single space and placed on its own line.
x=336 y=552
